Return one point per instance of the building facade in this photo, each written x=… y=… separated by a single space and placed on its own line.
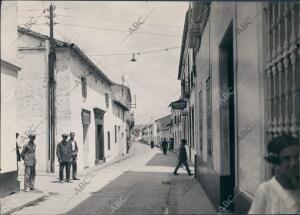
x=177 y=128
x=10 y=70
x=246 y=91
x=125 y=117
x=83 y=104
x=164 y=130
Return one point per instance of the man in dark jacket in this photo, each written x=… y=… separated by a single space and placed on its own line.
x=182 y=158
x=152 y=144
x=164 y=146
x=74 y=147
x=64 y=155
x=28 y=155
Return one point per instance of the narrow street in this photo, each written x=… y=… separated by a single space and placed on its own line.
x=103 y=101
x=139 y=184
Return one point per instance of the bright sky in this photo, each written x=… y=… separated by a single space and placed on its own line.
x=99 y=28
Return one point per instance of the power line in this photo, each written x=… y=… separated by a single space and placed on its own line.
x=106 y=20
x=32 y=23
x=118 y=30
x=137 y=53
x=130 y=14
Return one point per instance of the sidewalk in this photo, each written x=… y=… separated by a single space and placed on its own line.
x=47 y=185
x=187 y=196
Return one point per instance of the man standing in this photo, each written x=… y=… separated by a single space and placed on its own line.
x=28 y=155
x=164 y=146
x=74 y=146
x=182 y=158
x=152 y=144
x=64 y=155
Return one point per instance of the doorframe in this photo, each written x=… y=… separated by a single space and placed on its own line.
x=228 y=156
x=99 y=120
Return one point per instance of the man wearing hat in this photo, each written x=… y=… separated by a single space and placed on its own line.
x=182 y=158
x=28 y=155
x=64 y=155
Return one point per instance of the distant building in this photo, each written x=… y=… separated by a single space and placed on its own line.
x=164 y=130
x=125 y=118
x=177 y=128
x=10 y=70
x=84 y=103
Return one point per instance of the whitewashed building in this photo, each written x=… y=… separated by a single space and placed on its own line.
x=9 y=76
x=246 y=91
x=83 y=102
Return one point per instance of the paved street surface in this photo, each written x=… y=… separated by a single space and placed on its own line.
x=141 y=184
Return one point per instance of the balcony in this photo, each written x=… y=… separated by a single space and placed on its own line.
x=195 y=34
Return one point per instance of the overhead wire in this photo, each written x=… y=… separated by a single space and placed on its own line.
x=118 y=30
x=130 y=14
x=114 y=21
x=137 y=53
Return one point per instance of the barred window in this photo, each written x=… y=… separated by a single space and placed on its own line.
x=107 y=100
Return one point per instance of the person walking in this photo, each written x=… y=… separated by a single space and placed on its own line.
x=64 y=155
x=280 y=194
x=182 y=158
x=28 y=155
x=164 y=146
x=74 y=146
x=152 y=144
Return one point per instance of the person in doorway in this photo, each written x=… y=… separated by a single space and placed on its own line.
x=17 y=151
x=164 y=146
x=74 y=146
x=64 y=155
x=28 y=155
x=152 y=144
x=280 y=194
x=182 y=158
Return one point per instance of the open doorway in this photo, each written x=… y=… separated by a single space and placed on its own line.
x=227 y=119
x=99 y=136
x=99 y=143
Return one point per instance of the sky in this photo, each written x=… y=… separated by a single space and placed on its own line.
x=102 y=30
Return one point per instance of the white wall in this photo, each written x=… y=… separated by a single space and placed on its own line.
x=9 y=32
x=8 y=120
x=9 y=76
x=32 y=96
x=248 y=78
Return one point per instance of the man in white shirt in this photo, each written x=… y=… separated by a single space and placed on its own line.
x=281 y=194
x=74 y=147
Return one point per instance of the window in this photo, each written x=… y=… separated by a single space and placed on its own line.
x=116 y=133
x=209 y=118
x=281 y=86
x=118 y=111
x=201 y=121
x=84 y=86
x=119 y=131
x=107 y=100
x=108 y=140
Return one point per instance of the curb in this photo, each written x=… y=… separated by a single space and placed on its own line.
x=44 y=195
x=12 y=210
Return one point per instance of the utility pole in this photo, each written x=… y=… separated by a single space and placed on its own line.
x=51 y=97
